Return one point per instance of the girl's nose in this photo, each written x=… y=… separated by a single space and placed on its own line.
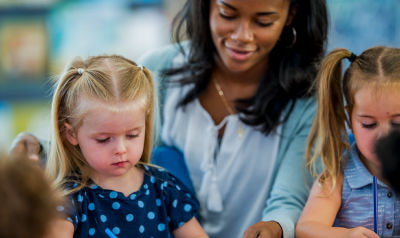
x=243 y=33
x=120 y=148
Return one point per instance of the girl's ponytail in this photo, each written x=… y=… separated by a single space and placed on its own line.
x=328 y=136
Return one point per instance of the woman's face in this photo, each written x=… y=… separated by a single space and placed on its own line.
x=245 y=31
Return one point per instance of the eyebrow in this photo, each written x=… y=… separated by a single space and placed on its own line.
x=258 y=13
x=367 y=116
x=106 y=133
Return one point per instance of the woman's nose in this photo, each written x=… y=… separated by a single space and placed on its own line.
x=120 y=148
x=243 y=33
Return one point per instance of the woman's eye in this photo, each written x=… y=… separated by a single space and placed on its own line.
x=226 y=16
x=369 y=126
x=264 y=24
x=396 y=125
x=102 y=140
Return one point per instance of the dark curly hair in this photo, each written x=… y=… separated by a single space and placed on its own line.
x=291 y=72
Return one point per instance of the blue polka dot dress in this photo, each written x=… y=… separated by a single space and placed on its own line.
x=162 y=204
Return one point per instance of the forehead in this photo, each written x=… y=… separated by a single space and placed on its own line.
x=255 y=5
x=380 y=101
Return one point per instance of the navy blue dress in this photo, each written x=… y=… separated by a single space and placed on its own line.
x=162 y=204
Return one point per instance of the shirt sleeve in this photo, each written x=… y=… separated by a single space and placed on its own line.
x=70 y=207
x=293 y=181
x=181 y=204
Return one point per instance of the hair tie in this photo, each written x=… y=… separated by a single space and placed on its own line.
x=352 y=57
x=140 y=66
x=80 y=71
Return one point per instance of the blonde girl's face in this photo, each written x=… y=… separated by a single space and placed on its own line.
x=372 y=117
x=111 y=142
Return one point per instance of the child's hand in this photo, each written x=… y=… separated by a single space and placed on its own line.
x=360 y=232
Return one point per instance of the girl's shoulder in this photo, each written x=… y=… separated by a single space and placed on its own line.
x=163 y=179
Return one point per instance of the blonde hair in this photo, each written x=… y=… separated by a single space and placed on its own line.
x=376 y=68
x=112 y=80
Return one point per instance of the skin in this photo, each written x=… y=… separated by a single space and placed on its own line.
x=244 y=33
x=112 y=144
x=371 y=118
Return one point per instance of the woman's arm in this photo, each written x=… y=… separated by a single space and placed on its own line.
x=190 y=229
x=60 y=229
x=320 y=212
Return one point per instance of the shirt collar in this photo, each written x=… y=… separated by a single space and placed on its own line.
x=355 y=172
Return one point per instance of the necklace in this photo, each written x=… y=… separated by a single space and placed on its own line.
x=240 y=130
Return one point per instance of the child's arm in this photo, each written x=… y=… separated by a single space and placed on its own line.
x=190 y=229
x=320 y=212
x=60 y=229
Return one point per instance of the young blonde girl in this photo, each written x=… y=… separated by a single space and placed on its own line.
x=102 y=131
x=341 y=199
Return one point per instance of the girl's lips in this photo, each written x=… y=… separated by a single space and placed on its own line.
x=239 y=54
x=120 y=164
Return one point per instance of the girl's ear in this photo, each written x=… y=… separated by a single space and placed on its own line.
x=349 y=116
x=70 y=133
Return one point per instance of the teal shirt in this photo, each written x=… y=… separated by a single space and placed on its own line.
x=291 y=182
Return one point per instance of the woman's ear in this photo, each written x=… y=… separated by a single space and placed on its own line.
x=349 y=117
x=291 y=15
x=70 y=133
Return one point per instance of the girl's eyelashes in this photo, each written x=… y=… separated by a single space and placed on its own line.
x=395 y=125
x=102 y=140
x=369 y=126
x=132 y=136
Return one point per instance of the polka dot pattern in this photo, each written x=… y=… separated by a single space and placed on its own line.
x=91 y=206
x=116 y=230
x=187 y=208
x=116 y=205
x=129 y=217
x=141 y=204
x=151 y=215
x=113 y=194
x=161 y=227
x=93 y=210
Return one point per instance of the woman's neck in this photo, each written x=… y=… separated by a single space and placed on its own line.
x=127 y=183
x=253 y=76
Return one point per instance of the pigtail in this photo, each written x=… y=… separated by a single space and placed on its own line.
x=58 y=166
x=328 y=136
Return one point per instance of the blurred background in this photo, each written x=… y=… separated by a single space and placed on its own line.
x=38 y=37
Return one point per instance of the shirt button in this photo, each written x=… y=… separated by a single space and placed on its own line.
x=390 y=194
x=389 y=225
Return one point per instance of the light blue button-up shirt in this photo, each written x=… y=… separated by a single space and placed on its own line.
x=357 y=200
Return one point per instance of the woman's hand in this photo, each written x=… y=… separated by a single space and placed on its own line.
x=25 y=145
x=264 y=229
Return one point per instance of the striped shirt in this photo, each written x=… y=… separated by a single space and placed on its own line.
x=357 y=200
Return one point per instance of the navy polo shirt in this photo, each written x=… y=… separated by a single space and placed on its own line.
x=162 y=204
